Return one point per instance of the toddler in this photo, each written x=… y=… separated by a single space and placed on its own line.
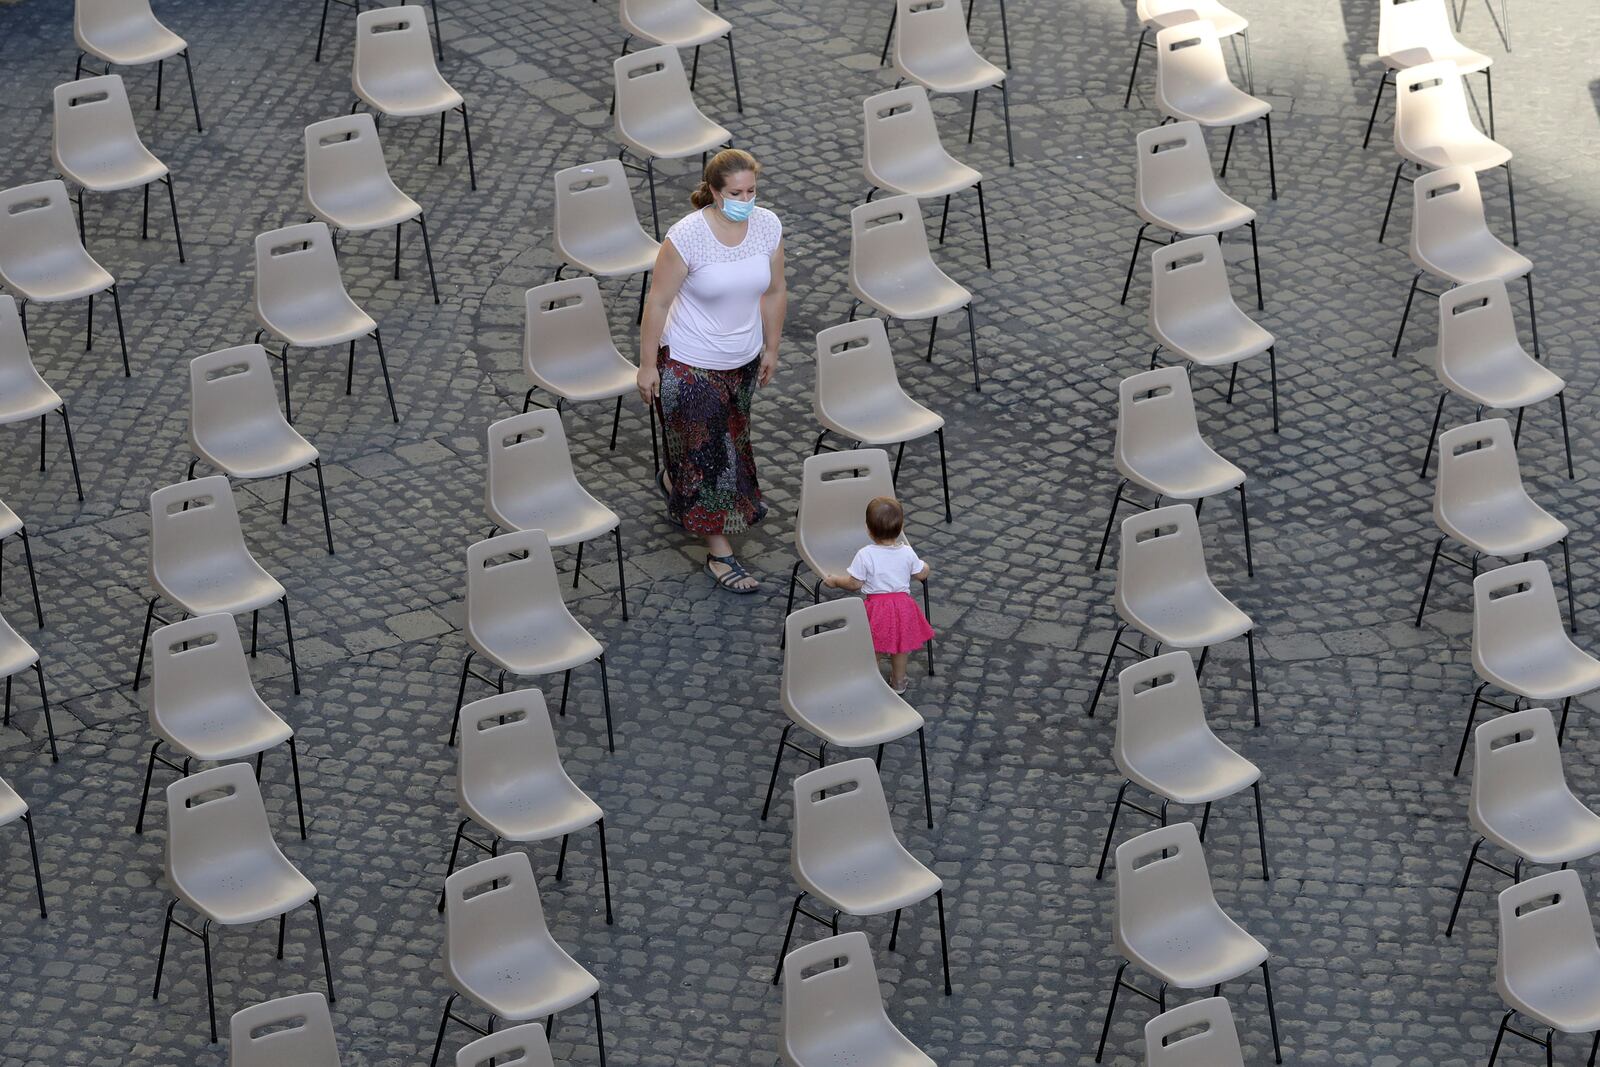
x=882 y=573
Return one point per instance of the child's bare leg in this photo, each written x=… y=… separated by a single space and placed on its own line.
x=897 y=668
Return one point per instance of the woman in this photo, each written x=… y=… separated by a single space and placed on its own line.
x=710 y=336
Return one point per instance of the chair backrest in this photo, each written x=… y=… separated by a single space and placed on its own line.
x=1188 y=278
x=566 y=322
x=1198 y=1034
x=835 y=488
x=1408 y=25
x=1476 y=463
x=520 y=1046
x=292 y=1031
x=35 y=221
x=1428 y=98
x=1517 y=756
x=827 y=645
x=854 y=363
x=1188 y=59
x=899 y=129
x=1155 y=415
x=1161 y=548
x=1158 y=702
x=191 y=520
x=230 y=388
x=1448 y=204
x=92 y=18
x=886 y=235
x=829 y=986
x=15 y=359
x=1543 y=922
x=192 y=661
x=343 y=155
x=93 y=120
x=214 y=813
x=1158 y=873
x=594 y=209
x=1513 y=607
x=1172 y=161
x=295 y=263
x=490 y=903
x=1475 y=323
x=651 y=86
x=502 y=586
x=391 y=42
x=505 y=738
x=852 y=815
x=925 y=28
x=527 y=453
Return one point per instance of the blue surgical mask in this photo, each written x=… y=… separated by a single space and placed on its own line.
x=737 y=210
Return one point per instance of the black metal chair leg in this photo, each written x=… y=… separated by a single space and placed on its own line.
x=1255 y=256
x=927 y=791
x=1111 y=518
x=1272 y=1012
x=1111 y=1006
x=1394 y=187
x=322 y=936
x=1377 y=98
x=605 y=688
x=1466 y=733
x=177 y=229
x=794 y=913
x=193 y=96
x=72 y=451
x=122 y=337
x=1111 y=654
x=444 y=1022
x=1461 y=891
x=1244 y=520
x=461 y=696
x=777 y=762
x=1411 y=295
x=1433 y=434
x=288 y=629
x=605 y=870
x=972 y=342
x=38 y=877
x=1005 y=104
x=944 y=478
x=944 y=942
x=138 y=670
x=33 y=578
x=1428 y=582
x=1255 y=696
x=1111 y=830
x=299 y=800
x=1133 y=72
x=1133 y=261
x=1566 y=574
x=622 y=577
x=466 y=133
x=383 y=364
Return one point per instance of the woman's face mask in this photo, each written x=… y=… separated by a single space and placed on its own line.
x=737 y=210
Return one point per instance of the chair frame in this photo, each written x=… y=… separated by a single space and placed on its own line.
x=194 y=98
x=26 y=819
x=33 y=577
x=44 y=698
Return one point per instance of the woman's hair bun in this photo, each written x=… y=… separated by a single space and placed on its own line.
x=719 y=168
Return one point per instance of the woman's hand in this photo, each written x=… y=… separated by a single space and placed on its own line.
x=769 y=366
x=649 y=382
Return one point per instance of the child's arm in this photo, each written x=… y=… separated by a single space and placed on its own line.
x=922 y=575
x=843 y=581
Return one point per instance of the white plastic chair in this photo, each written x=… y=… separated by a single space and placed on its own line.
x=204 y=707
x=656 y=114
x=1159 y=449
x=348 y=185
x=1414 y=32
x=832 y=688
x=517 y=621
x=847 y=856
x=395 y=73
x=1163 y=590
x=300 y=298
x=235 y=425
x=1175 y=190
x=96 y=146
x=499 y=954
x=16 y=656
x=1005 y=31
x=1157 y=15
x=1479 y=358
x=893 y=273
x=1169 y=925
x=42 y=258
x=932 y=50
x=596 y=227
x=199 y=563
x=510 y=781
x=567 y=349
x=1192 y=83
x=833 y=1010
x=519 y=1046
x=24 y=396
x=903 y=155
x=126 y=33
x=1520 y=799
x=322 y=26
x=679 y=24
x=11 y=525
x=288 y=1032
x=1520 y=646
x=223 y=863
x=1198 y=1034
x=1192 y=312
x=1479 y=501
x=531 y=486
x=1165 y=747
x=858 y=396
x=1549 y=964
x=14 y=809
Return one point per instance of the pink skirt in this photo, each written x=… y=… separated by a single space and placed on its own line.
x=898 y=624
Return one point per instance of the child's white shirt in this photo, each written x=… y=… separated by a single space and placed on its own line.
x=885 y=568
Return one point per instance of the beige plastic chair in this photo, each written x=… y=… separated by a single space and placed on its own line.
x=1159 y=449
x=1549 y=964
x=847 y=856
x=1169 y=925
x=499 y=954
x=223 y=863
x=1165 y=747
x=656 y=114
x=14 y=809
x=933 y=50
x=1414 y=32
x=25 y=396
x=42 y=258
x=1163 y=590
x=832 y=689
x=903 y=155
x=1175 y=190
x=833 y=1010
x=1192 y=313
x=893 y=273
x=322 y=26
x=300 y=297
x=1521 y=802
x=517 y=621
x=16 y=656
x=596 y=227
x=894 y=18
x=520 y=1046
x=199 y=563
x=679 y=24
x=11 y=525
x=531 y=486
x=1157 y=15
x=1451 y=240
x=567 y=348
x=1479 y=358
x=395 y=73
x=858 y=395
x=204 y=707
x=288 y=1032
x=1433 y=130
x=236 y=428
x=1192 y=83
x=97 y=147
x=1198 y=1034
x=348 y=185
x=510 y=781
x=1520 y=646
x=1479 y=501
x=126 y=33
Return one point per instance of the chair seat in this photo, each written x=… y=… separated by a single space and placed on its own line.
x=926 y=175
x=231 y=586
x=1182 y=474
x=1191 y=769
x=1554 y=671
x=872 y=1041
x=131 y=44
x=525 y=979
x=1456 y=148
x=10 y=521
x=543 y=644
x=368 y=207
x=231 y=889
x=128 y=166
x=533 y=808
x=602 y=376
x=881 y=418
x=15 y=654
x=331 y=319
x=12 y=806
x=1218 y=104
x=1221 y=336
x=68 y=273
x=1204 y=210
x=1565 y=996
x=1503 y=526
x=852 y=715
x=869 y=881
x=1467 y=61
x=256 y=450
x=566 y=513
x=1192 y=616
x=25 y=395
x=1194 y=948
x=958 y=70
x=1550 y=827
x=920 y=291
x=1509 y=379
x=1479 y=257
x=229 y=728
x=675 y=135
x=417 y=92
x=681 y=25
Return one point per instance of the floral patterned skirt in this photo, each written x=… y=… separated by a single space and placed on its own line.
x=706 y=416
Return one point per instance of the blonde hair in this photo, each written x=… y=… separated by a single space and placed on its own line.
x=719 y=168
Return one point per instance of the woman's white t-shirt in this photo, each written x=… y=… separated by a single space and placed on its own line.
x=715 y=322
x=885 y=568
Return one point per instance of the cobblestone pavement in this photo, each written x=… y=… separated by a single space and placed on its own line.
x=1361 y=710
